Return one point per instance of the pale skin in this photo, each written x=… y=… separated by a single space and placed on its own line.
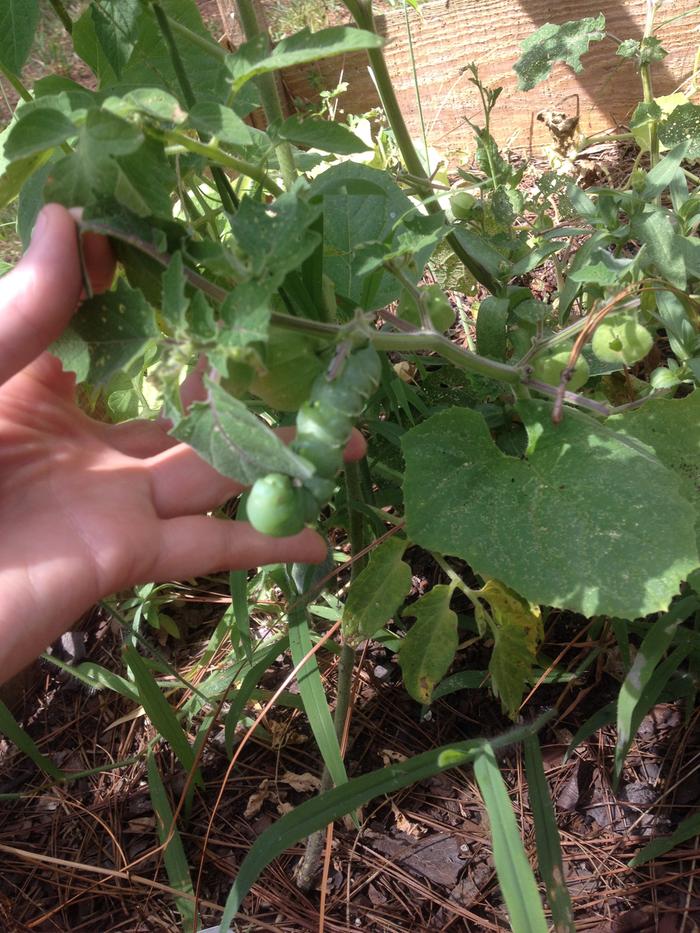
x=89 y=509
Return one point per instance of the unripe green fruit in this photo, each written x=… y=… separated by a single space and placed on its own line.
x=435 y=303
x=621 y=339
x=275 y=507
x=549 y=369
x=462 y=204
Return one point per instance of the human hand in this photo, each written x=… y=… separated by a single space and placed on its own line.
x=88 y=509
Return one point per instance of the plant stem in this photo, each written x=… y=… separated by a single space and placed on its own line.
x=228 y=198
x=16 y=84
x=269 y=94
x=213 y=152
x=361 y=11
x=346 y=665
x=648 y=87
x=63 y=15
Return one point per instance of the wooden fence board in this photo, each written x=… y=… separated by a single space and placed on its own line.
x=450 y=33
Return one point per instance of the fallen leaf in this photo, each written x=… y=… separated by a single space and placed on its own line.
x=301 y=782
x=256 y=800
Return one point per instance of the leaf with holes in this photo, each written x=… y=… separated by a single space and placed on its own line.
x=557 y=43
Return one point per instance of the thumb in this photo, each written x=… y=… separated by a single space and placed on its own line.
x=39 y=296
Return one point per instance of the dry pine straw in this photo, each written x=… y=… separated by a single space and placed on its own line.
x=422 y=860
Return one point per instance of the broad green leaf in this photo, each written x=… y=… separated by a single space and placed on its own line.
x=40 y=129
x=680 y=330
x=174 y=853
x=160 y=712
x=246 y=314
x=14 y=175
x=150 y=63
x=153 y=101
x=12 y=730
x=175 y=302
x=18 y=22
x=631 y=705
x=671 y=427
x=654 y=229
x=117 y=327
x=557 y=43
x=687 y=829
x=313 y=815
x=105 y=35
x=516 y=628
x=73 y=352
x=462 y=680
x=549 y=858
x=234 y=441
x=275 y=237
x=321 y=134
x=313 y=695
x=682 y=125
x=214 y=119
x=515 y=877
x=491 y=324
x=607 y=526
x=664 y=172
x=362 y=205
x=253 y=58
x=429 y=647
x=377 y=592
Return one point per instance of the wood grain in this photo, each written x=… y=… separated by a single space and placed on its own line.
x=451 y=33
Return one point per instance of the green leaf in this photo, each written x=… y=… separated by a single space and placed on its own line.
x=491 y=324
x=313 y=695
x=234 y=441
x=363 y=205
x=654 y=229
x=596 y=721
x=549 y=858
x=253 y=58
x=552 y=43
x=150 y=63
x=174 y=853
x=671 y=427
x=631 y=705
x=687 y=829
x=246 y=314
x=429 y=647
x=664 y=172
x=214 y=119
x=263 y=659
x=313 y=815
x=462 y=680
x=515 y=877
x=276 y=237
x=73 y=352
x=105 y=36
x=117 y=327
x=18 y=22
x=607 y=527
x=12 y=730
x=377 y=591
x=517 y=632
x=321 y=134
x=160 y=712
x=682 y=125
x=40 y=129
x=153 y=101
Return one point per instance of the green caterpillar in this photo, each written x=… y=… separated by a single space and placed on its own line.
x=278 y=506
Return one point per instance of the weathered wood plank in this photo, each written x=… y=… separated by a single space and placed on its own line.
x=451 y=33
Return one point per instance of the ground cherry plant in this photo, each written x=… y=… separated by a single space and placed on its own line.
x=547 y=461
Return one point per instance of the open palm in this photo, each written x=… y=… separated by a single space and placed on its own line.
x=87 y=509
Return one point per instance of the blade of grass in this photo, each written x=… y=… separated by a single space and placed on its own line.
x=689 y=828
x=96 y=677
x=549 y=857
x=174 y=852
x=313 y=815
x=238 y=584
x=12 y=730
x=313 y=694
x=594 y=722
x=515 y=876
x=159 y=711
x=245 y=691
x=630 y=708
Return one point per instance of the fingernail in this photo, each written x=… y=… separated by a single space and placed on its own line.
x=39 y=224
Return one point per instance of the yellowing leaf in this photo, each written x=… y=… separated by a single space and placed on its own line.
x=429 y=647
x=516 y=627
